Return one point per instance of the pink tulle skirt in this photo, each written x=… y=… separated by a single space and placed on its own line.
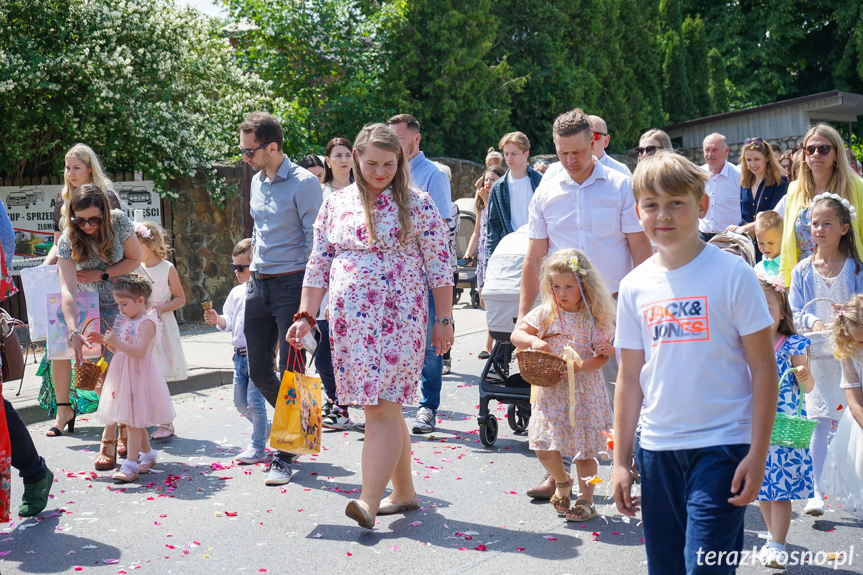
x=135 y=393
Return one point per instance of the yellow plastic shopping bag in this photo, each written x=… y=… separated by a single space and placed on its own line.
x=297 y=419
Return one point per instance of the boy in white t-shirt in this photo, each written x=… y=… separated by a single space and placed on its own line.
x=692 y=324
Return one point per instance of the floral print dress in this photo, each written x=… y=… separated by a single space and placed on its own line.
x=788 y=474
x=803 y=233
x=378 y=292
x=550 y=429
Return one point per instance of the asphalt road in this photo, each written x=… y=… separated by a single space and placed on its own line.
x=201 y=513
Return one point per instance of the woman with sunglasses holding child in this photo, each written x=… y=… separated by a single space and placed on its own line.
x=98 y=245
x=825 y=168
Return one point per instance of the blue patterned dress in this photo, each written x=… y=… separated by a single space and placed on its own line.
x=788 y=474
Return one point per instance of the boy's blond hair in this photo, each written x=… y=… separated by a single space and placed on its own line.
x=517 y=138
x=243 y=247
x=768 y=220
x=670 y=172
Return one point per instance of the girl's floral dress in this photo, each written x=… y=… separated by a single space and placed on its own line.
x=788 y=474
x=550 y=429
x=378 y=292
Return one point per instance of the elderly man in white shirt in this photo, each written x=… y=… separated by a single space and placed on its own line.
x=598 y=143
x=588 y=207
x=723 y=188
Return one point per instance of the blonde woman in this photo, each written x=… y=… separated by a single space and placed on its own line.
x=81 y=167
x=376 y=242
x=825 y=168
x=651 y=141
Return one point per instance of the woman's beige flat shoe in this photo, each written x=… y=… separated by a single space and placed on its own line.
x=356 y=512
x=388 y=507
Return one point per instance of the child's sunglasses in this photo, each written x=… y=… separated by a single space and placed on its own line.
x=238 y=267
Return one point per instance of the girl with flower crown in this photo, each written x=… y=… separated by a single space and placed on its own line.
x=788 y=473
x=833 y=273
x=577 y=311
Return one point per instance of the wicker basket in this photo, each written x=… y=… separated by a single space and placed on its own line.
x=793 y=431
x=87 y=373
x=820 y=347
x=540 y=368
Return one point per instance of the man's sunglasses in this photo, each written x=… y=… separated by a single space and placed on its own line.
x=598 y=135
x=81 y=222
x=646 y=150
x=822 y=150
x=249 y=152
x=238 y=267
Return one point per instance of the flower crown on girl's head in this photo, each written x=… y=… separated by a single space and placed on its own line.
x=141 y=230
x=573 y=265
x=838 y=198
x=777 y=282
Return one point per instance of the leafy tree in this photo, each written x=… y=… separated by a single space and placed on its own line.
x=325 y=61
x=718 y=91
x=639 y=25
x=439 y=73
x=676 y=94
x=148 y=85
x=695 y=39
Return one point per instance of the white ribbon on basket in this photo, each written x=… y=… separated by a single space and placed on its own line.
x=571 y=357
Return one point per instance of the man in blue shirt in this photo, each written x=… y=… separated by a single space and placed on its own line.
x=284 y=204
x=429 y=178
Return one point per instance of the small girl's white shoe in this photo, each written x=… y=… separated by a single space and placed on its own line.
x=815 y=506
x=147 y=461
x=128 y=472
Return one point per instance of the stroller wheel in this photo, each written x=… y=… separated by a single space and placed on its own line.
x=488 y=431
x=517 y=418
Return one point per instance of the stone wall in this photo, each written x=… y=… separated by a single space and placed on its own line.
x=203 y=238
x=464 y=174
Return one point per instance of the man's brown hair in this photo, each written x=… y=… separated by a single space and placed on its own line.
x=265 y=127
x=413 y=124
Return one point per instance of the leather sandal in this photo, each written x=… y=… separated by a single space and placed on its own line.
x=55 y=431
x=164 y=432
x=122 y=440
x=561 y=504
x=577 y=514
x=105 y=462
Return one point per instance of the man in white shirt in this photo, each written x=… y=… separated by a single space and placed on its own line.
x=587 y=207
x=598 y=143
x=723 y=188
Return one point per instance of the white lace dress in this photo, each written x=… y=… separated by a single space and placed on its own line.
x=168 y=354
x=842 y=476
x=824 y=400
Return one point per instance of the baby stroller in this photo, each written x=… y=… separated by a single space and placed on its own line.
x=501 y=294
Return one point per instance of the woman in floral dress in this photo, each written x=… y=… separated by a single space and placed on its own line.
x=379 y=246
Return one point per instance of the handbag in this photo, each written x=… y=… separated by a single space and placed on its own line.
x=10 y=347
x=297 y=419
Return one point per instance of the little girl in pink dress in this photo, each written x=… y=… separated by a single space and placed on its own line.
x=135 y=393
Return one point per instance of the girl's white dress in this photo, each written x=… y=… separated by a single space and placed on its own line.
x=135 y=392
x=169 y=353
x=842 y=477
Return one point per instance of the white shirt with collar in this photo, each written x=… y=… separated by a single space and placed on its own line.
x=723 y=189
x=234 y=314
x=593 y=217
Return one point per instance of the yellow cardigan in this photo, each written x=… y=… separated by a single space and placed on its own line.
x=795 y=200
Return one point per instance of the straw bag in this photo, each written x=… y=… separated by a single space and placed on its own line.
x=793 y=431
x=87 y=373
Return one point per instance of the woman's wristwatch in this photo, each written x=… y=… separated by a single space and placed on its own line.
x=444 y=321
x=105 y=276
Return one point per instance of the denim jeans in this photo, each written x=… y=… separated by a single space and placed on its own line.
x=432 y=374
x=270 y=308
x=250 y=403
x=684 y=503
x=324 y=361
x=30 y=465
